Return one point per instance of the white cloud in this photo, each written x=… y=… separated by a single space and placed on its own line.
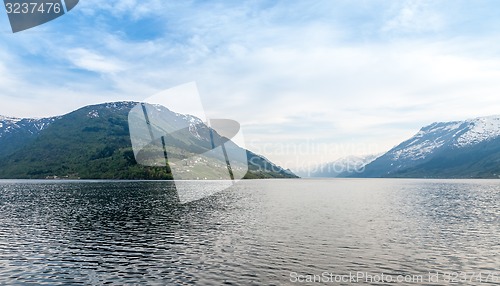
x=414 y=16
x=285 y=81
x=92 y=61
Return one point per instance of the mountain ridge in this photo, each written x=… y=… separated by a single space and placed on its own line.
x=455 y=149
x=92 y=142
x=20 y=131
x=341 y=167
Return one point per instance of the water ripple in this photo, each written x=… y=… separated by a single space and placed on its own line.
x=63 y=233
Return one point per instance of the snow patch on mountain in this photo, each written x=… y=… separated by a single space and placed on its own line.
x=93 y=114
x=479 y=130
x=120 y=105
x=10 y=125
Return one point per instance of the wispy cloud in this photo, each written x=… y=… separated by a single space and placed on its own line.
x=352 y=74
x=414 y=16
x=92 y=61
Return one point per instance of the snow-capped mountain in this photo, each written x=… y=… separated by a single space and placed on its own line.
x=445 y=149
x=29 y=125
x=20 y=131
x=455 y=134
x=94 y=142
x=338 y=168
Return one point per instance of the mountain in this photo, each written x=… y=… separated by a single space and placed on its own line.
x=94 y=142
x=342 y=167
x=17 y=132
x=458 y=149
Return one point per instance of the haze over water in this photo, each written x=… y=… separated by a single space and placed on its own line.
x=258 y=232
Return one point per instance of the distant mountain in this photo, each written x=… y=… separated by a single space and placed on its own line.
x=17 y=132
x=342 y=167
x=458 y=149
x=93 y=142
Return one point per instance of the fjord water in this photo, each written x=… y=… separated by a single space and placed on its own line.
x=256 y=233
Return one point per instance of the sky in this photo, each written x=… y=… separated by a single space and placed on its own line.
x=309 y=81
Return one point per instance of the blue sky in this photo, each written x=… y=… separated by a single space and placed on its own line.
x=310 y=81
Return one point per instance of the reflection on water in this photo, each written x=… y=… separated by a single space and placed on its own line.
x=257 y=233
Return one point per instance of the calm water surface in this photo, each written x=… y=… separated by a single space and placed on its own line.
x=257 y=233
